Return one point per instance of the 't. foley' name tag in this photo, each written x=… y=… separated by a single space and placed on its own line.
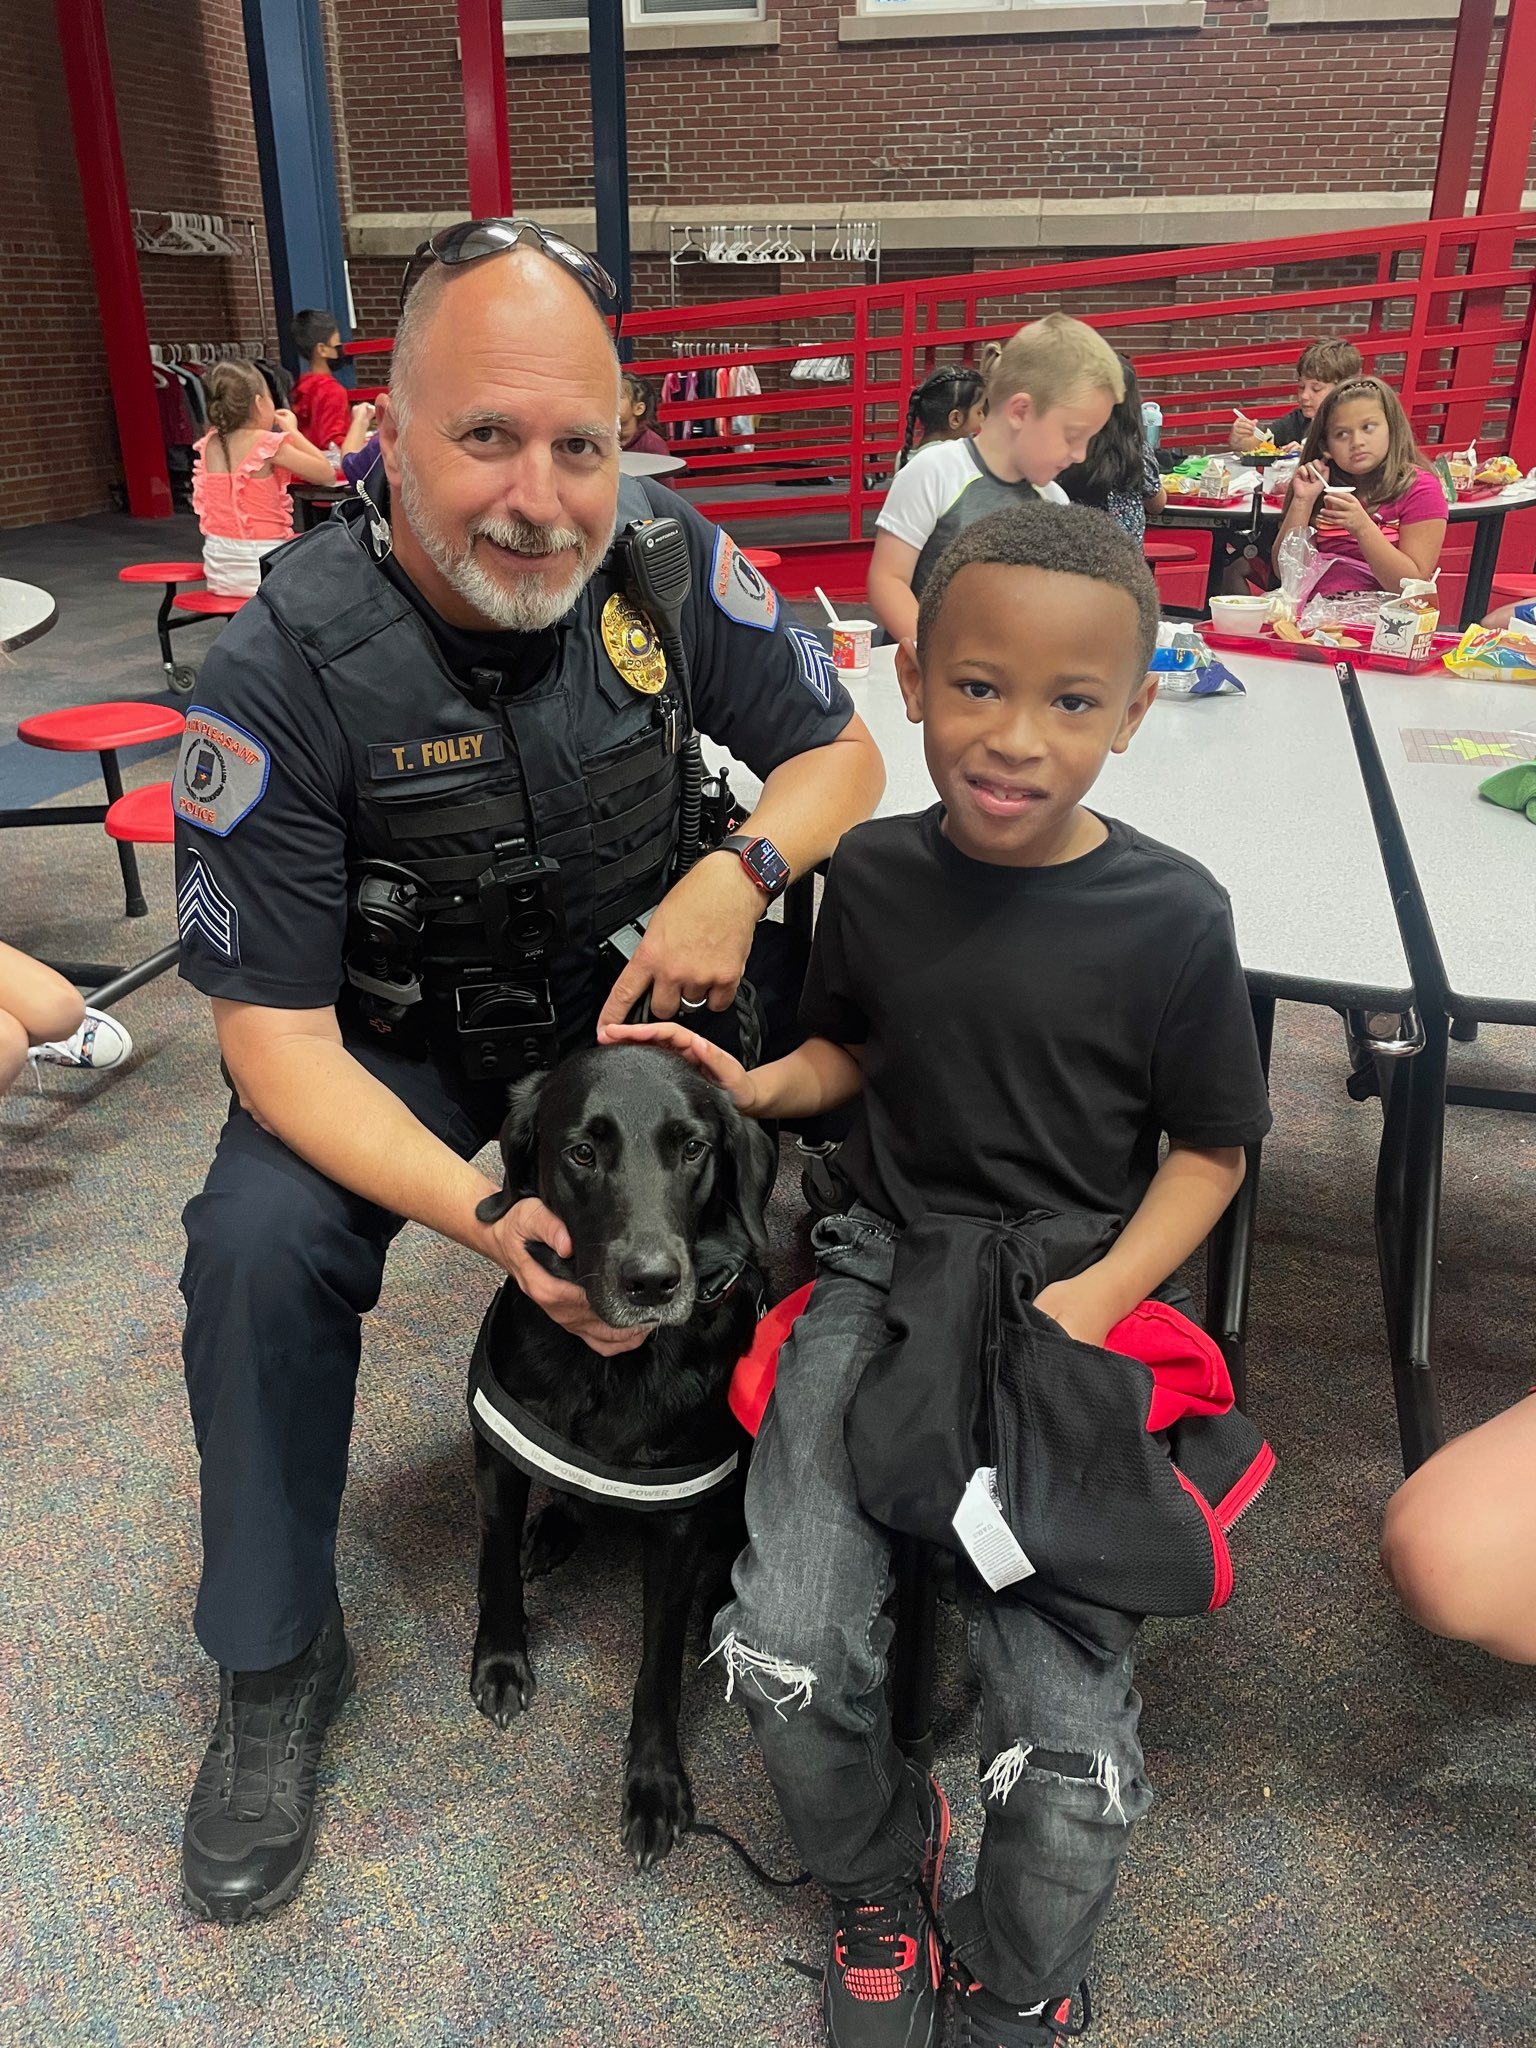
x=443 y=750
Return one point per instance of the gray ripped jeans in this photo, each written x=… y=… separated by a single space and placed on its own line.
x=805 y=1644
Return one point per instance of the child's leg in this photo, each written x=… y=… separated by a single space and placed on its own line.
x=13 y=1049
x=44 y=1004
x=1459 y=1542
x=1062 y=1781
x=805 y=1640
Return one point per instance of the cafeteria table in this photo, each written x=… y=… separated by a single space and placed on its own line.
x=26 y=613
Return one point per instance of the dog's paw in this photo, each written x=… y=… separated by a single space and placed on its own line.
x=501 y=1683
x=657 y=1811
x=549 y=1540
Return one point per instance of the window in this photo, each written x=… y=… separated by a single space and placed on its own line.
x=896 y=7
x=553 y=14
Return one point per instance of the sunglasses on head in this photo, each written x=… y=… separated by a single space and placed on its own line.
x=467 y=241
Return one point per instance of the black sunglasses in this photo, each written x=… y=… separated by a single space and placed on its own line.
x=469 y=240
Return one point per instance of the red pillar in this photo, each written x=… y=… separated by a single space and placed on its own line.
x=483 y=62
x=1514 y=114
x=1463 y=103
x=109 y=228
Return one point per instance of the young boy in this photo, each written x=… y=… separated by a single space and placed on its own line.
x=1049 y=392
x=321 y=403
x=1023 y=995
x=637 y=417
x=1320 y=366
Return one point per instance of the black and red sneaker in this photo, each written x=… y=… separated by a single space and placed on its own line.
x=884 y=1980
x=978 y=2020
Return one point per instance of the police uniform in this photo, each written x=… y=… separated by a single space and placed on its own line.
x=343 y=731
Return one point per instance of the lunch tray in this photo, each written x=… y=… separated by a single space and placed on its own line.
x=1191 y=503
x=1358 y=651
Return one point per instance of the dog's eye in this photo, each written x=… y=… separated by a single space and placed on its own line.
x=694 y=1150
x=581 y=1155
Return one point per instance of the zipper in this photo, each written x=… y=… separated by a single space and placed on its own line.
x=1241 y=1496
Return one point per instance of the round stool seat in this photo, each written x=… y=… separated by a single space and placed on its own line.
x=1168 y=551
x=763 y=558
x=1513 y=589
x=97 y=728
x=161 y=572
x=207 y=603
x=143 y=816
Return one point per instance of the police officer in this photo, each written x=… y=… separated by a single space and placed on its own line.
x=434 y=762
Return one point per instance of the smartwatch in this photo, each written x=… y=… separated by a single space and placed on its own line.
x=762 y=861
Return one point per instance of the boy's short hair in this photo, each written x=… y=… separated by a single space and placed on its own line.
x=1050 y=359
x=311 y=328
x=1072 y=540
x=1329 y=362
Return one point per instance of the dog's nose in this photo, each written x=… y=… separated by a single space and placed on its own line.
x=650 y=1278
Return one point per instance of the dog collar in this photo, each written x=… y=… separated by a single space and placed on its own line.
x=555 y=1461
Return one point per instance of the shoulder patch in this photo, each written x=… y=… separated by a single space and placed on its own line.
x=203 y=908
x=813 y=664
x=221 y=775
x=741 y=591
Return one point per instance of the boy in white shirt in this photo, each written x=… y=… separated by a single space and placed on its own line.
x=1050 y=391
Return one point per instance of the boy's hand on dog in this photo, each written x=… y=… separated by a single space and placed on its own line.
x=722 y=1068
x=510 y=1243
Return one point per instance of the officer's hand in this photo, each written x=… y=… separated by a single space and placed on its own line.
x=529 y=1221
x=696 y=944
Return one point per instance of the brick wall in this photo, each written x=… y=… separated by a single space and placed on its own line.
x=185 y=117
x=1233 y=107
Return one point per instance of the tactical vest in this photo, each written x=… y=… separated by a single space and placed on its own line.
x=578 y=768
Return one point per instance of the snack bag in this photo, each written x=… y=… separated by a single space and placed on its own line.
x=1487 y=656
x=1185 y=666
x=1300 y=569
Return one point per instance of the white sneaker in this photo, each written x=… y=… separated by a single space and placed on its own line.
x=100 y=1042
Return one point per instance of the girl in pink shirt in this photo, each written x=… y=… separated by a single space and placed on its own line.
x=1388 y=524
x=240 y=478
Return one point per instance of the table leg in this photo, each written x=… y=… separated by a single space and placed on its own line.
x=1487 y=535
x=1229 y=1250
x=1408 y=1170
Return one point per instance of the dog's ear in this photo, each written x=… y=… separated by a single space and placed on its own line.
x=519 y=1150
x=750 y=1167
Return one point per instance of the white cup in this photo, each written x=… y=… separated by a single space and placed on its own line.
x=850 y=646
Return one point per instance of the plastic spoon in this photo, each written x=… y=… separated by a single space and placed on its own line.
x=826 y=605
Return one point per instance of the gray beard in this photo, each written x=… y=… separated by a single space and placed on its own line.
x=530 y=605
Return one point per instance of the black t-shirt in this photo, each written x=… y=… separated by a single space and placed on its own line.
x=262 y=896
x=1029 y=1033
x=1291 y=426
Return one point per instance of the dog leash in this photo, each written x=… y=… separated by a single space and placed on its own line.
x=765 y=1877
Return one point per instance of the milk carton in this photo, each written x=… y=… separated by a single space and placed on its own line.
x=1405 y=625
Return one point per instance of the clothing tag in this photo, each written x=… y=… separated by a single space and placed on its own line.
x=989 y=1542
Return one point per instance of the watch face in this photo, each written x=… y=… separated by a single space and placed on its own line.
x=768 y=864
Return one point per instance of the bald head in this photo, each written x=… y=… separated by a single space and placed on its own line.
x=522 y=288
x=501 y=440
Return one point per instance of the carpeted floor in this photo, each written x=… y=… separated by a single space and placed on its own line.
x=1342 y=1848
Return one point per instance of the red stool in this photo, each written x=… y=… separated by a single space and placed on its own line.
x=1168 y=551
x=1512 y=590
x=141 y=818
x=99 y=729
x=763 y=558
x=207 y=604
x=178 y=676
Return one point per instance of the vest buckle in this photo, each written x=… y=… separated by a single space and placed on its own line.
x=505 y=1029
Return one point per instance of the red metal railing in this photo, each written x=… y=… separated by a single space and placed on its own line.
x=1443 y=309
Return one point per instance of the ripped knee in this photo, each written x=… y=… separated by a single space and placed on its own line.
x=1067 y=1766
x=775 y=1680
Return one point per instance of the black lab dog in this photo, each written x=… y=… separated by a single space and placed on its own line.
x=662 y=1186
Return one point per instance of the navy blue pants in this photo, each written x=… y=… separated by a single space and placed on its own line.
x=282 y=1264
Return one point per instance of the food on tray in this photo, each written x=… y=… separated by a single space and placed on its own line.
x=1506 y=657
x=1320 y=636
x=1264 y=446
x=1499 y=470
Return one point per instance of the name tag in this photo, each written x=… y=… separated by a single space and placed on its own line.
x=420 y=757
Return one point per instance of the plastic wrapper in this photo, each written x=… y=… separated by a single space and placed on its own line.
x=1185 y=666
x=1487 y=656
x=1300 y=569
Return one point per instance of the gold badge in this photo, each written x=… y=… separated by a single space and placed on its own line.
x=632 y=647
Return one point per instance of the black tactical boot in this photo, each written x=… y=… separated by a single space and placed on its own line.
x=250 y=1827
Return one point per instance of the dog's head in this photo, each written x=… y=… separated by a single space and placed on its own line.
x=642 y=1159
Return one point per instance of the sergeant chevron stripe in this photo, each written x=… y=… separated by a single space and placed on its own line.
x=202 y=906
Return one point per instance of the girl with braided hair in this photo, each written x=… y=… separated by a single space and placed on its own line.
x=948 y=406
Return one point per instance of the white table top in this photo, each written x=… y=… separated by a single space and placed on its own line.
x=25 y=612
x=1475 y=863
x=632 y=464
x=1264 y=790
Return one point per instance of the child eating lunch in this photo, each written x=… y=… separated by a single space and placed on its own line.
x=1376 y=509
x=1320 y=366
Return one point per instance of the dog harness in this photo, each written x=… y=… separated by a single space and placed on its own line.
x=510 y=1428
